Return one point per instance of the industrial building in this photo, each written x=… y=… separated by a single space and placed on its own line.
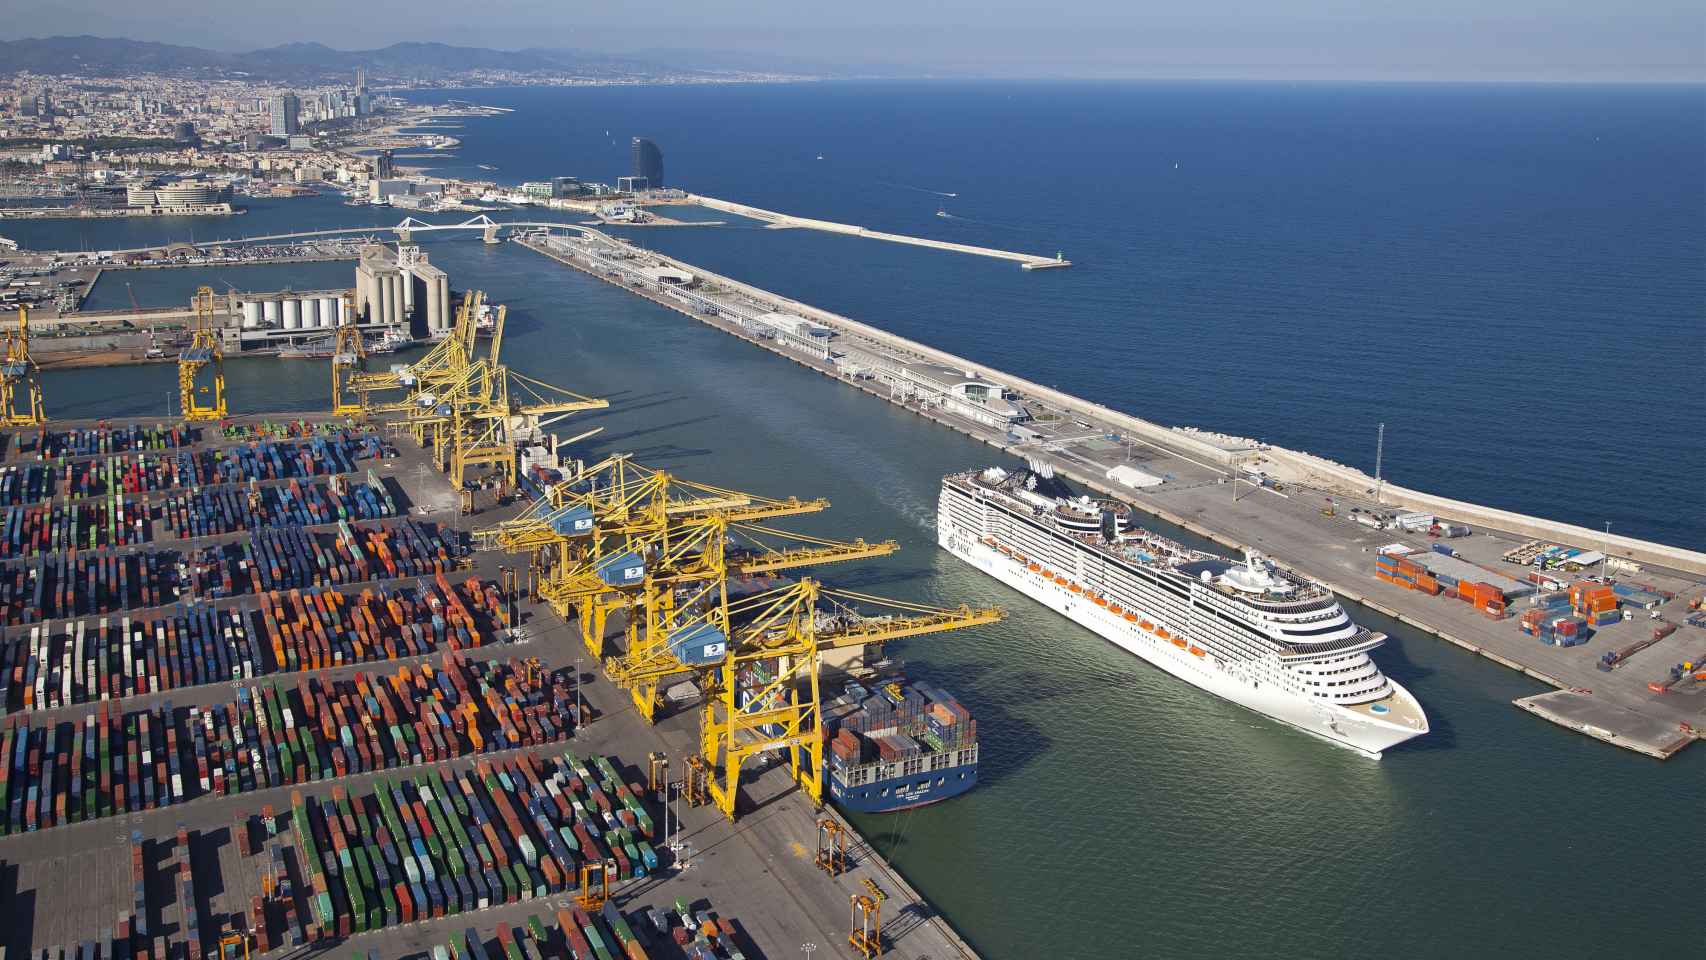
x=400 y=289
x=267 y=317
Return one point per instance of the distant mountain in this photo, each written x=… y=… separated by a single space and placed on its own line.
x=307 y=62
x=98 y=56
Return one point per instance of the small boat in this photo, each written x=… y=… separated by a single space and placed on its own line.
x=820 y=156
x=391 y=342
x=312 y=350
x=486 y=321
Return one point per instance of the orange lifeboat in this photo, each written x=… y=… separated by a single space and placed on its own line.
x=1101 y=601
x=1196 y=651
x=1149 y=626
x=1162 y=633
x=1060 y=579
x=1115 y=608
x=1075 y=588
x=1179 y=642
x=1131 y=618
x=1032 y=567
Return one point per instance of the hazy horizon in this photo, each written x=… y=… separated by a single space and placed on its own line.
x=1555 y=40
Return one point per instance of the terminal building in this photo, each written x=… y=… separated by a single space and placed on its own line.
x=178 y=197
x=957 y=391
x=810 y=338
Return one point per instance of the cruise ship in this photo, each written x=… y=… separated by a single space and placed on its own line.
x=1246 y=631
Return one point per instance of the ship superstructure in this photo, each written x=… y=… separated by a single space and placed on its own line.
x=1246 y=631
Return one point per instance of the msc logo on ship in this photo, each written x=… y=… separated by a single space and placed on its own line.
x=634 y=573
x=582 y=524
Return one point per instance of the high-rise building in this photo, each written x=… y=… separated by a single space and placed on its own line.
x=648 y=162
x=285 y=108
x=361 y=101
x=384 y=165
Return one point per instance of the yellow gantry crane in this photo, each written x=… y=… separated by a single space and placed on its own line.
x=483 y=429
x=19 y=373
x=618 y=496
x=204 y=352
x=765 y=693
x=618 y=510
x=470 y=409
x=444 y=363
x=619 y=537
x=349 y=362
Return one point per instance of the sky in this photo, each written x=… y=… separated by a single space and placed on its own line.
x=1280 y=39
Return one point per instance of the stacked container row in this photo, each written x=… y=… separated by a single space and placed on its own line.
x=212 y=512
x=85 y=661
x=443 y=843
x=46 y=444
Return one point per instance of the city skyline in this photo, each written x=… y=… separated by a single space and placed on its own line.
x=1656 y=40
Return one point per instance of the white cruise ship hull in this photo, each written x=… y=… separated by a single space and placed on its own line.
x=1337 y=725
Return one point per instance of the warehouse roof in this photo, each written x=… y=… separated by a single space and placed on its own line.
x=1439 y=563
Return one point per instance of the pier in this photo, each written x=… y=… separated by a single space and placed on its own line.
x=1199 y=491
x=113 y=213
x=784 y=221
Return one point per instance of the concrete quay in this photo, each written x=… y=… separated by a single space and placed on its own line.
x=1287 y=526
x=776 y=220
x=62 y=885
x=114 y=213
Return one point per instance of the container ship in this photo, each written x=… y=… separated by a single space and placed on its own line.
x=895 y=744
x=1246 y=631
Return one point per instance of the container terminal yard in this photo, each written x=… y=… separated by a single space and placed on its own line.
x=283 y=683
x=1529 y=594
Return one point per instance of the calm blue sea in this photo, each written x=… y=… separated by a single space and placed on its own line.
x=1511 y=278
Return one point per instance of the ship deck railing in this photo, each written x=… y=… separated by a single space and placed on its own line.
x=1363 y=639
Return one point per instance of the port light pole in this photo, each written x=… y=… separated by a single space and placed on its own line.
x=1605 y=551
x=1379 y=454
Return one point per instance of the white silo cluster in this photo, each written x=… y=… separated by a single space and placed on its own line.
x=289 y=313
x=400 y=288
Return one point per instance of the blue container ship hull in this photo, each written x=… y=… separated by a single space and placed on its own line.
x=903 y=792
